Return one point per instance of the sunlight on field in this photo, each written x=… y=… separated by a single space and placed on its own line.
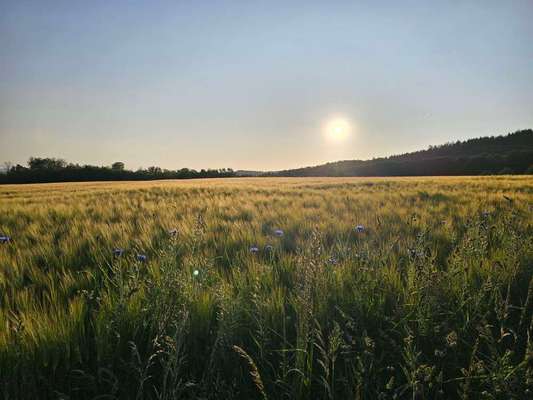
x=361 y=281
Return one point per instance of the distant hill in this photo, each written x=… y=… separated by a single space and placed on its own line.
x=508 y=154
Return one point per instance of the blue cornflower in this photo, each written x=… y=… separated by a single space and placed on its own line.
x=254 y=249
x=333 y=261
x=118 y=252
x=279 y=233
x=359 y=228
x=141 y=257
x=5 y=239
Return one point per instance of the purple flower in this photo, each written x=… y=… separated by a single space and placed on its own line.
x=141 y=257
x=118 y=252
x=278 y=233
x=254 y=249
x=5 y=239
x=359 y=228
x=173 y=232
x=333 y=261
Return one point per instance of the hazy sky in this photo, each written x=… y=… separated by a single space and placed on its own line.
x=251 y=85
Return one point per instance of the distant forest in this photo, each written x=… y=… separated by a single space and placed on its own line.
x=58 y=170
x=509 y=154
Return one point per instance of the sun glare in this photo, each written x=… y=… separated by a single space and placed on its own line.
x=337 y=129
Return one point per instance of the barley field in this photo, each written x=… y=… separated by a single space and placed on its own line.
x=296 y=288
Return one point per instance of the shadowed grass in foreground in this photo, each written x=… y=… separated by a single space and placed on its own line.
x=431 y=297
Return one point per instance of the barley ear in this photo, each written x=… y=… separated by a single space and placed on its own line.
x=254 y=372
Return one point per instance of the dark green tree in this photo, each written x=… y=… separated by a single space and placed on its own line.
x=117 y=166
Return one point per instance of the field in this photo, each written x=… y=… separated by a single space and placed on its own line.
x=407 y=288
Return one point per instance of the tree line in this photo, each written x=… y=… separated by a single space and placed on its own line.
x=40 y=170
x=509 y=154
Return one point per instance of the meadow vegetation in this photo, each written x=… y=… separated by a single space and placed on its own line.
x=264 y=288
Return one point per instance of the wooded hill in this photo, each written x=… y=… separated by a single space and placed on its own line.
x=508 y=154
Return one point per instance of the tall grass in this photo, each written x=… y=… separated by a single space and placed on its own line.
x=433 y=299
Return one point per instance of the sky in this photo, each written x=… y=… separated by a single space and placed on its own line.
x=258 y=85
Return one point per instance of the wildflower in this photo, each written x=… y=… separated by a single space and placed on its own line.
x=141 y=257
x=269 y=248
x=332 y=261
x=278 y=233
x=254 y=249
x=5 y=239
x=348 y=338
x=359 y=228
x=485 y=214
x=173 y=232
x=118 y=252
x=195 y=272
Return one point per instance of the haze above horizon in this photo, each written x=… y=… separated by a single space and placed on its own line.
x=257 y=85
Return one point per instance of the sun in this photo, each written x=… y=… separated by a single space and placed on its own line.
x=337 y=129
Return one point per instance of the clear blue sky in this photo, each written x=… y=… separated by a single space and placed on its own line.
x=250 y=85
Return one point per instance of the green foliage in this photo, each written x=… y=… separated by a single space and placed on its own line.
x=41 y=170
x=433 y=299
